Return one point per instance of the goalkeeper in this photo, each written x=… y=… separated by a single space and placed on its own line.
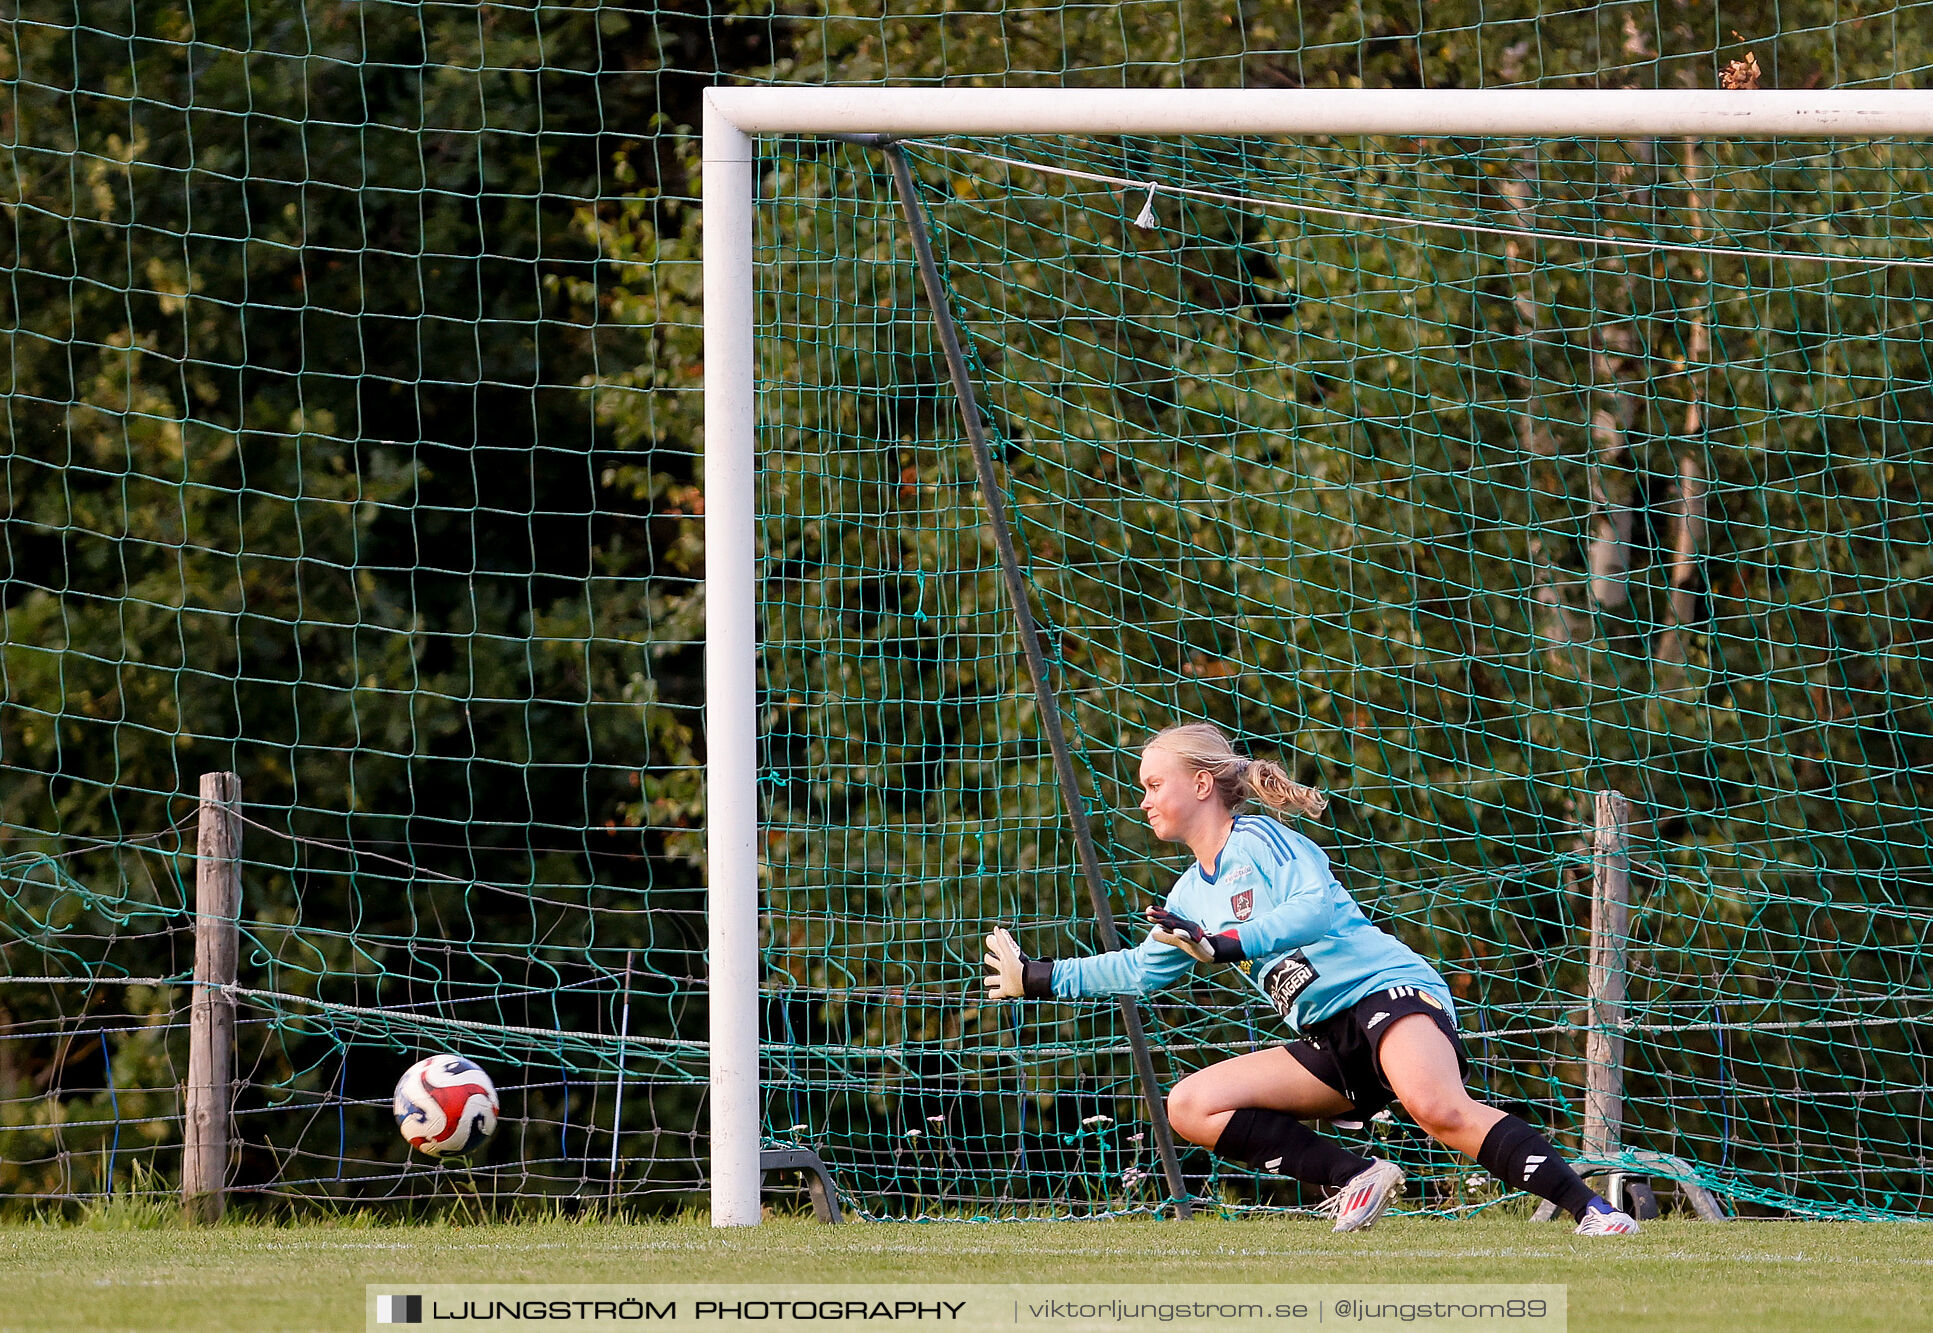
x=1376 y=1022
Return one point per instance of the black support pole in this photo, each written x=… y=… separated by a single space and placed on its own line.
x=1036 y=660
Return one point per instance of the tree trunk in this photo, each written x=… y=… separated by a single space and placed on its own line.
x=1554 y=622
x=1617 y=353
x=1685 y=513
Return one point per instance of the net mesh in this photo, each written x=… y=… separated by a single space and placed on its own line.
x=333 y=458
x=1470 y=479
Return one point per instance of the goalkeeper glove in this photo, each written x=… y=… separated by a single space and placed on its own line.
x=1013 y=976
x=1192 y=940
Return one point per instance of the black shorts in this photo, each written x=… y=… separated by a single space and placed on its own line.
x=1341 y=1050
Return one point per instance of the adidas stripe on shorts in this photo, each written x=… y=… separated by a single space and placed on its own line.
x=1341 y=1050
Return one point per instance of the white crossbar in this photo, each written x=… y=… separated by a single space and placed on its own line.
x=1303 y=111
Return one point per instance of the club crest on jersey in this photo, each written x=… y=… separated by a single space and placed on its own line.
x=1243 y=904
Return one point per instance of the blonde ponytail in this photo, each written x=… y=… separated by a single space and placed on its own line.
x=1238 y=779
x=1270 y=783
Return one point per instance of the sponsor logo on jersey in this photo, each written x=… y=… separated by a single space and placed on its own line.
x=1288 y=979
x=1243 y=904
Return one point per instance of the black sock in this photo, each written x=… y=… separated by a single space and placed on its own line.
x=1524 y=1159
x=1275 y=1141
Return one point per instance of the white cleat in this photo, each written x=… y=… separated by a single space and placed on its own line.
x=1358 y=1204
x=1612 y=1223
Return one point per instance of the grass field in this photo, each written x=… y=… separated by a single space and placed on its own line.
x=1681 y=1276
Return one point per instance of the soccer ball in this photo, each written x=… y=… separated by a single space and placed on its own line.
x=446 y=1105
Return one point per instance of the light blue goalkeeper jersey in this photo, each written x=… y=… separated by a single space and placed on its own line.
x=1311 y=951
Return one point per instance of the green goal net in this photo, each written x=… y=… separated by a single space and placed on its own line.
x=1470 y=478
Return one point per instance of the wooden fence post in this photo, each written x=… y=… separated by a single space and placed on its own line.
x=211 y=1014
x=1610 y=937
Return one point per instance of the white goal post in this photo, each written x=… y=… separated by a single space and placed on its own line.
x=732 y=116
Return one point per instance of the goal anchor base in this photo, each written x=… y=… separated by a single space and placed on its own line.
x=825 y=1199
x=1630 y=1175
